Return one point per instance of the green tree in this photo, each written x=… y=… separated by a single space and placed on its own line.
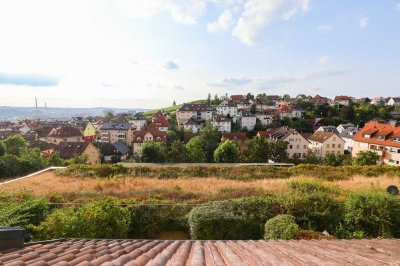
x=311 y=157
x=366 y=158
x=334 y=159
x=174 y=103
x=55 y=160
x=209 y=99
x=176 y=152
x=227 y=152
x=209 y=137
x=108 y=113
x=278 y=151
x=282 y=226
x=153 y=152
x=195 y=151
x=253 y=108
x=14 y=144
x=2 y=149
x=255 y=150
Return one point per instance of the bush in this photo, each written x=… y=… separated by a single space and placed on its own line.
x=317 y=211
x=311 y=186
x=373 y=214
x=232 y=219
x=227 y=152
x=281 y=227
x=101 y=219
x=150 y=220
x=29 y=212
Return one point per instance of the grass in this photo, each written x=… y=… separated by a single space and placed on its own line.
x=189 y=190
x=168 y=109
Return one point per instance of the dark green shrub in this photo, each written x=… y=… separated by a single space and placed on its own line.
x=28 y=212
x=150 y=220
x=232 y=219
x=317 y=211
x=282 y=226
x=373 y=213
x=101 y=219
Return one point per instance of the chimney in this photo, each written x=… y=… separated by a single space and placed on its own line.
x=11 y=237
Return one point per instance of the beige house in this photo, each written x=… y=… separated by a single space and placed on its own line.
x=297 y=143
x=381 y=138
x=113 y=132
x=64 y=134
x=145 y=135
x=198 y=112
x=323 y=143
x=88 y=149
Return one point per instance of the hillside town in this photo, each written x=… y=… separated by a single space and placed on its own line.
x=309 y=126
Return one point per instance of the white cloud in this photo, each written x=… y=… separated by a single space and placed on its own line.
x=222 y=24
x=231 y=81
x=324 y=28
x=183 y=11
x=323 y=60
x=170 y=65
x=258 y=14
x=398 y=6
x=363 y=22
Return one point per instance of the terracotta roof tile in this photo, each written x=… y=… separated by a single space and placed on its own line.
x=169 y=252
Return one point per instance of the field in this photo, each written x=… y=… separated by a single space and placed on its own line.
x=189 y=190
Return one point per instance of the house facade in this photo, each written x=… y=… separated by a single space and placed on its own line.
x=73 y=149
x=381 y=138
x=324 y=143
x=247 y=120
x=197 y=112
x=221 y=123
x=227 y=108
x=144 y=135
x=113 y=132
x=394 y=101
x=64 y=134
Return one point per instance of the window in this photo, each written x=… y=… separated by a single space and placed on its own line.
x=327 y=145
x=305 y=146
x=380 y=137
x=333 y=145
x=290 y=146
x=396 y=139
x=367 y=136
x=297 y=146
x=339 y=145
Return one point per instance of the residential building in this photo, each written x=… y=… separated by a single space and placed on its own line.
x=89 y=134
x=378 y=101
x=221 y=123
x=286 y=111
x=161 y=123
x=347 y=133
x=394 y=101
x=198 y=112
x=116 y=152
x=138 y=120
x=266 y=117
x=381 y=138
x=192 y=125
x=247 y=120
x=237 y=136
x=145 y=135
x=324 y=143
x=64 y=134
x=113 y=132
x=342 y=100
x=329 y=128
x=297 y=144
x=319 y=100
x=74 y=149
x=238 y=97
x=227 y=108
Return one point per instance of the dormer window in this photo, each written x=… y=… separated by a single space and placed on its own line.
x=396 y=139
x=367 y=136
x=380 y=137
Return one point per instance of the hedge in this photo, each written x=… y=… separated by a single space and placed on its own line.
x=237 y=173
x=282 y=226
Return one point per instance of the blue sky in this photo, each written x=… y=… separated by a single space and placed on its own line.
x=140 y=53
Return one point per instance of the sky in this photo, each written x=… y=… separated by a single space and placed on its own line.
x=147 y=54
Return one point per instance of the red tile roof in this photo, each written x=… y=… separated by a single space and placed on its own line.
x=138 y=136
x=159 y=121
x=375 y=128
x=170 y=252
x=64 y=132
x=237 y=97
x=321 y=136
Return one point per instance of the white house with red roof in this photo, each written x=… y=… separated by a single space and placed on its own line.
x=144 y=135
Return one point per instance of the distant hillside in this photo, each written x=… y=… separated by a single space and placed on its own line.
x=169 y=109
x=7 y=112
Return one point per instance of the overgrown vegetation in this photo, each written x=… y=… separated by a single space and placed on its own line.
x=238 y=173
x=282 y=226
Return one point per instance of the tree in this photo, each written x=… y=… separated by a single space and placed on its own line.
x=2 y=149
x=209 y=99
x=176 y=152
x=366 y=158
x=255 y=150
x=286 y=97
x=278 y=153
x=227 y=152
x=334 y=160
x=253 y=108
x=108 y=113
x=249 y=96
x=55 y=160
x=311 y=158
x=209 y=137
x=14 y=144
x=347 y=113
x=174 y=103
x=195 y=151
x=152 y=152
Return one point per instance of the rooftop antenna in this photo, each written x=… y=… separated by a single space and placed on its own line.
x=36 y=105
